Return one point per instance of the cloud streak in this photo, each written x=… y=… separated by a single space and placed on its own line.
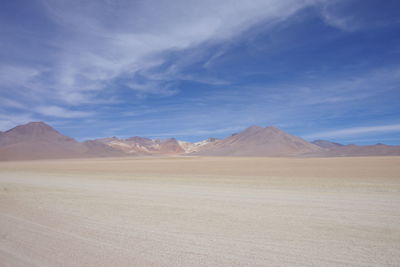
x=103 y=41
x=59 y=112
x=356 y=131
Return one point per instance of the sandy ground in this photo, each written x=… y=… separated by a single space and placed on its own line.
x=200 y=212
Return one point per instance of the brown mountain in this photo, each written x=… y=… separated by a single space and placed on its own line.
x=258 y=141
x=144 y=146
x=189 y=147
x=97 y=149
x=37 y=140
x=170 y=146
x=339 y=150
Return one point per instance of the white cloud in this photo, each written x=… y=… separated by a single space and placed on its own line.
x=6 y=102
x=151 y=87
x=333 y=18
x=17 y=75
x=350 y=15
x=350 y=88
x=355 y=131
x=55 y=111
x=106 y=40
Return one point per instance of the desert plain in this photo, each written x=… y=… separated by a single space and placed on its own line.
x=201 y=211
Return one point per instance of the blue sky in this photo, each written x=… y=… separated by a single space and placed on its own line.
x=199 y=69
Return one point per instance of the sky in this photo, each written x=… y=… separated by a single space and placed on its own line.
x=319 y=69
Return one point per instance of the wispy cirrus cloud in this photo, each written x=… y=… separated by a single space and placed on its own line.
x=7 y=102
x=59 y=112
x=101 y=41
x=347 y=15
x=336 y=19
x=356 y=131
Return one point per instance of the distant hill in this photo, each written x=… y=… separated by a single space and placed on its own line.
x=359 y=151
x=144 y=146
x=197 y=146
x=340 y=150
x=37 y=140
x=258 y=141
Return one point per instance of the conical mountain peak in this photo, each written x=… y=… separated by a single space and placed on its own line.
x=37 y=124
x=33 y=129
x=258 y=141
x=253 y=128
x=273 y=128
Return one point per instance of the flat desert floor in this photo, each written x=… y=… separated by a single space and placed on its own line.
x=199 y=211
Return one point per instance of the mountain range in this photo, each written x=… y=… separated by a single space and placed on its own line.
x=37 y=140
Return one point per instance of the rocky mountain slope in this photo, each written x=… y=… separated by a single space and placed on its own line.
x=37 y=140
x=258 y=141
x=143 y=146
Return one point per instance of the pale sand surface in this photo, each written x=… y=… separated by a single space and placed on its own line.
x=201 y=212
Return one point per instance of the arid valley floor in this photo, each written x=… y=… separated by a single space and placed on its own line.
x=200 y=211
